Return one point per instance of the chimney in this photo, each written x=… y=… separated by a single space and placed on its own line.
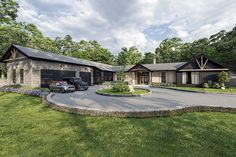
x=154 y=61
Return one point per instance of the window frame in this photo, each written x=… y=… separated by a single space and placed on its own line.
x=22 y=76
x=163 y=76
x=14 y=76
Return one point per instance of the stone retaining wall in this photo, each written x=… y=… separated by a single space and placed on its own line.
x=160 y=113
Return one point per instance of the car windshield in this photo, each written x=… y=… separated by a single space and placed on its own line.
x=61 y=83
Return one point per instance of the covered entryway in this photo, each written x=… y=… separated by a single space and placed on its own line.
x=86 y=77
x=139 y=74
x=47 y=76
x=142 y=77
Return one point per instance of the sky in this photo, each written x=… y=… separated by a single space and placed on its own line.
x=123 y=23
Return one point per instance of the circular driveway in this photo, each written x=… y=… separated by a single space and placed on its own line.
x=160 y=99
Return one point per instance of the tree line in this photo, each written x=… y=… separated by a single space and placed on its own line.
x=220 y=46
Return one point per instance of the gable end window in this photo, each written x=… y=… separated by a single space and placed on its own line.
x=21 y=75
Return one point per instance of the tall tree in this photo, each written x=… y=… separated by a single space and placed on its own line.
x=129 y=56
x=8 y=11
x=169 y=50
x=148 y=58
x=92 y=50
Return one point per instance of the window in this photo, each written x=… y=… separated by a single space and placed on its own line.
x=163 y=77
x=21 y=75
x=14 y=76
x=195 y=77
x=189 y=78
x=184 y=76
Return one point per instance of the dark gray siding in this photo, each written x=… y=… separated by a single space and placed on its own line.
x=203 y=77
x=233 y=78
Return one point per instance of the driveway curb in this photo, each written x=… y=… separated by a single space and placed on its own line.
x=138 y=114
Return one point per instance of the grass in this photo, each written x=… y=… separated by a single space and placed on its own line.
x=136 y=91
x=231 y=90
x=28 y=128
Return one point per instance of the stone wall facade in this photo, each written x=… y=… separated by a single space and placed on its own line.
x=32 y=70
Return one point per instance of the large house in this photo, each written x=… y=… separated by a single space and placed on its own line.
x=37 y=68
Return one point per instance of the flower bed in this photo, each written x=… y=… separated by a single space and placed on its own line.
x=136 y=92
x=16 y=89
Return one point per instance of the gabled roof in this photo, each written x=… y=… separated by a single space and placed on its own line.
x=42 y=55
x=221 y=65
x=159 y=66
x=164 y=66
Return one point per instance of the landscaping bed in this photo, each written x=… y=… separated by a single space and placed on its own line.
x=25 y=90
x=230 y=90
x=136 y=92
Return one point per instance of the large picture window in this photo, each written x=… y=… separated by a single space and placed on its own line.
x=184 y=77
x=163 y=77
x=195 y=77
x=21 y=75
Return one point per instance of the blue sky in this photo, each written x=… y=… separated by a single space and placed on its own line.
x=118 y=23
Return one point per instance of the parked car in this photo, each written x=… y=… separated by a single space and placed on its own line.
x=77 y=82
x=61 y=86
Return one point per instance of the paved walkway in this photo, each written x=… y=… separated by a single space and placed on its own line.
x=159 y=99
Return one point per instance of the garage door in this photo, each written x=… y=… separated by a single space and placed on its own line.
x=86 y=77
x=47 y=76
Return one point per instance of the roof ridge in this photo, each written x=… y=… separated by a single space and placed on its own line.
x=49 y=52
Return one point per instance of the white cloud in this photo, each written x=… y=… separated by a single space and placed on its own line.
x=116 y=24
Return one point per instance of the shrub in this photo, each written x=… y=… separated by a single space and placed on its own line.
x=216 y=85
x=42 y=89
x=223 y=77
x=13 y=86
x=210 y=84
x=121 y=76
x=120 y=87
x=156 y=84
x=107 y=83
x=205 y=85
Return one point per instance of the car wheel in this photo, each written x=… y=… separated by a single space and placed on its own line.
x=62 y=90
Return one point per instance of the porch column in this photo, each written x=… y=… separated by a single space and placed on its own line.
x=150 y=77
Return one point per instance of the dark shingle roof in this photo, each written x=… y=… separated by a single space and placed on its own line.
x=156 y=67
x=164 y=66
x=38 y=54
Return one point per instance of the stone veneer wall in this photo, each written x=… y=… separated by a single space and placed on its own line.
x=20 y=64
x=32 y=70
x=38 y=65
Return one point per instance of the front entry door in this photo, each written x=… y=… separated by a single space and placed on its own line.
x=144 y=80
x=142 y=77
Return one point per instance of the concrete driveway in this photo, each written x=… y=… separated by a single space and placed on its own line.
x=159 y=99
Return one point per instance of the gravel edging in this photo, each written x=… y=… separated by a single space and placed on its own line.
x=139 y=114
x=125 y=95
x=38 y=93
x=192 y=91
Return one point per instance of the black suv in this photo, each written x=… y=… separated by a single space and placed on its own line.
x=77 y=82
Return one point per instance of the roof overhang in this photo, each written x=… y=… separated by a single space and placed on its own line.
x=138 y=69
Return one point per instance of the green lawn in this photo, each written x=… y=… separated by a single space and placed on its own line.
x=231 y=90
x=136 y=91
x=29 y=129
